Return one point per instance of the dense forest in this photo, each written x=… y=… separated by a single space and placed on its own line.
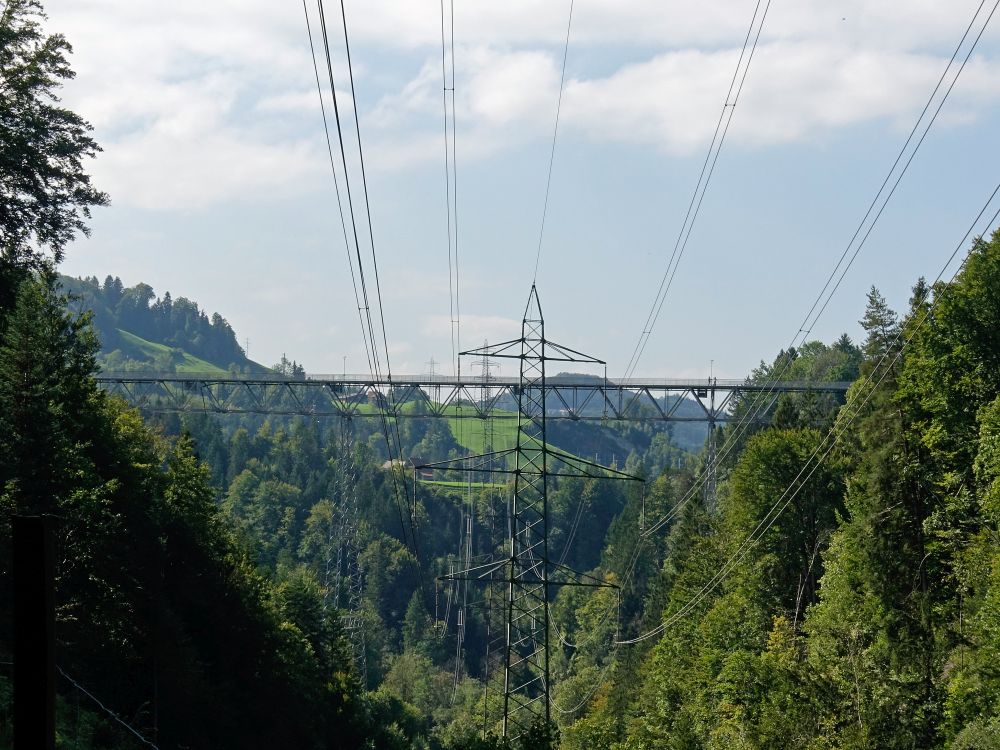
x=119 y=314
x=253 y=582
x=864 y=615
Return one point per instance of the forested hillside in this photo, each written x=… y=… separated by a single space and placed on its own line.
x=857 y=605
x=831 y=581
x=861 y=615
x=139 y=331
x=852 y=606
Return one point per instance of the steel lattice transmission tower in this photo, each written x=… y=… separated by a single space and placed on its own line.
x=344 y=574
x=524 y=576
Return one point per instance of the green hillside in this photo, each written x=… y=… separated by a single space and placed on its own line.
x=140 y=332
x=475 y=434
x=139 y=349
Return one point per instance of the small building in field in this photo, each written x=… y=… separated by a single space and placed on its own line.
x=411 y=464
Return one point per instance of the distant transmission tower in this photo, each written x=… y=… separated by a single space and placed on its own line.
x=525 y=575
x=711 y=459
x=493 y=515
x=345 y=577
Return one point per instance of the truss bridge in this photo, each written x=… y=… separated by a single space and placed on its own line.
x=570 y=397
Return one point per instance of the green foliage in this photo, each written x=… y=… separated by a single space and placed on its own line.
x=541 y=735
x=414 y=678
x=418 y=627
x=983 y=734
x=788 y=561
x=46 y=358
x=814 y=361
x=393 y=724
x=140 y=331
x=47 y=195
x=859 y=606
x=899 y=642
x=160 y=612
x=159 y=608
x=866 y=615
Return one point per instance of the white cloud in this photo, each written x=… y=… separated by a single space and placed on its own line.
x=185 y=151
x=199 y=103
x=515 y=86
x=293 y=101
x=191 y=102
x=507 y=97
x=404 y=24
x=163 y=174
x=795 y=90
x=814 y=72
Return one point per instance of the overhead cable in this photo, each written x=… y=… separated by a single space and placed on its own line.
x=552 y=151
x=819 y=305
x=336 y=181
x=451 y=187
x=829 y=441
x=392 y=441
x=104 y=708
x=701 y=187
x=822 y=300
x=411 y=503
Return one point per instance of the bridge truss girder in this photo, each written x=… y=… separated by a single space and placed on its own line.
x=634 y=400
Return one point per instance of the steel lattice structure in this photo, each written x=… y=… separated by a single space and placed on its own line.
x=525 y=575
x=572 y=397
x=344 y=575
x=526 y=658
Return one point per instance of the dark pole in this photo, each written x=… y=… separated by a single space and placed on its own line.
x=34 y=633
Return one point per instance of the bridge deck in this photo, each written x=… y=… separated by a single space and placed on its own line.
x=574 y=397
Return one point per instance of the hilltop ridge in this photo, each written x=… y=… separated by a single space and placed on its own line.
x=139 y=331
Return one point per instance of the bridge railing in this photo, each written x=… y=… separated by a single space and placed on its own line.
x=565 y=381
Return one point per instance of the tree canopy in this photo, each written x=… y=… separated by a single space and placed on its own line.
x=45 y=193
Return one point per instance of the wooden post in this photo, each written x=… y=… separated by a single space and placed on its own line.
x=34 y=633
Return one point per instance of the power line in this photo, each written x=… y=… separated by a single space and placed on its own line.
x=447 y=193
x=581 y=506
x=104 y=708
x=807 y=326
x=454 y=310
x=370 y=353
x=374 y=361
x=809 y=468
x=378 y=286
x=810 y=320
x=626 y=579
x=364 y=185
x=368 y=335
x=593 y=690
x=415 y=543
x=640 y=347
x=451 y=186
x=454 y=183
x=555 y=133
x=828 y=442
x=336 y=182
x=909 y=160
x=761 y=398
x=792 y=491
x=701 y=187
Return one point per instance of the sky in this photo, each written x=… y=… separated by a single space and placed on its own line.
x=221 y=189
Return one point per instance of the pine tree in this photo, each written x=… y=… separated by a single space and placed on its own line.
x=882 y=326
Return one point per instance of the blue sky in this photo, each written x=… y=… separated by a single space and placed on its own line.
x=215 y=161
